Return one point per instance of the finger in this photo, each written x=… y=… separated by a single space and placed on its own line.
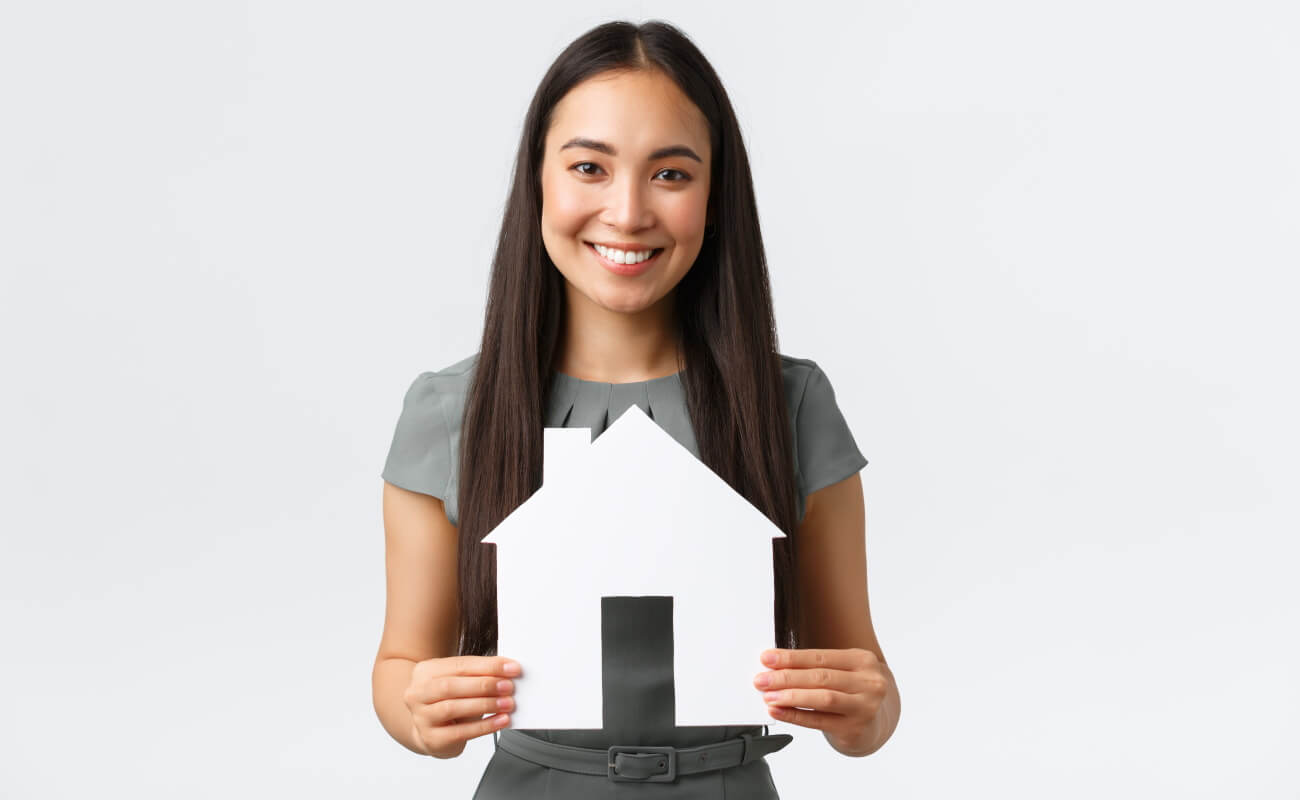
x=819 y=720
x=460 y=709
x=478 y=665
x=817 y=678
x=443 y=736
x=853 y=658
x=827 y=700
x=432 y=690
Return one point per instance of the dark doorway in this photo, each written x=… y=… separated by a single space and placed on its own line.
x=638 y=699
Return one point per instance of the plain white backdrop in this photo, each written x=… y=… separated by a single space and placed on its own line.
x=1046 y=253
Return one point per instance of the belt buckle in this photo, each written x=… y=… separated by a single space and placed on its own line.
x=669 y=755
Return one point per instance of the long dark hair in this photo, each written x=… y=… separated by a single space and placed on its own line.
x=732 y=370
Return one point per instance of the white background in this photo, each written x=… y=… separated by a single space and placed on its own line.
x=1045 y=252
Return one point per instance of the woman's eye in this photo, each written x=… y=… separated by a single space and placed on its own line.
x=684 y=176
x=581 y=169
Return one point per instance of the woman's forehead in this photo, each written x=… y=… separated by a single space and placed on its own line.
x=633 y=112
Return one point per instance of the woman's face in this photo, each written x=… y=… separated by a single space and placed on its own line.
x=626 y=163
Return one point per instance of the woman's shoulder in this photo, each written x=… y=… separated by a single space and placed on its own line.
x=800 y=375
x=825 y=449
x=453 y=378
x=422 y=454
x=795 y=367
x=434 y=402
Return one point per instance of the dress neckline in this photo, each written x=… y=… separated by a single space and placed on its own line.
x=567 y=378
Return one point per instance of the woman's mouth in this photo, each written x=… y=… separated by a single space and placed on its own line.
x=637 y=265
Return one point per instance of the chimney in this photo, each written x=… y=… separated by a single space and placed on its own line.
x=563 y=449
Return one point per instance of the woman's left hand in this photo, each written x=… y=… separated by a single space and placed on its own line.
x=843 y=688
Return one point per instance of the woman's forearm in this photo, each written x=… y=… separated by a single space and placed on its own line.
x=388 y=682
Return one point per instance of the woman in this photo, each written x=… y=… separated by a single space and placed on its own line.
x=629 y=268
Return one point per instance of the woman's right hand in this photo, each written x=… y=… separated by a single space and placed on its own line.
x=449 y=696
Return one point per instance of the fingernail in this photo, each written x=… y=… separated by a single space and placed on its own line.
x=500 y=720
x=763 y=680
x=771 y=696
x=769 y=659
x=504 y=702
x=503 y=686
x=511 y=668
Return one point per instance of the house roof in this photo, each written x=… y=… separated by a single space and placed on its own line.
x=634 y=468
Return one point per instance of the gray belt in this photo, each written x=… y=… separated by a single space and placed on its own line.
x=640 y=762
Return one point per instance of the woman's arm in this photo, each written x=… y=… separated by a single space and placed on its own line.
x=421 y=607
x=831 y=560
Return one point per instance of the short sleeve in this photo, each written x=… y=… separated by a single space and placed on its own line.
x=825 y=448
x=419 y=458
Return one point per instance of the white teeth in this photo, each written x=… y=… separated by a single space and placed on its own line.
x=621 y=256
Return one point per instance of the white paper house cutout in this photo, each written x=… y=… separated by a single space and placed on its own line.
x=633 y=513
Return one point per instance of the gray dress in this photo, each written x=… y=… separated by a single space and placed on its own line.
x=423 y=458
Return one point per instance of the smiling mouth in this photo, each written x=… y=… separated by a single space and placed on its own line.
x=634 y=268
x=654 y=251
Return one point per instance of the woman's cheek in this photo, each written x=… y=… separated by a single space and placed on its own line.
x=686 y=216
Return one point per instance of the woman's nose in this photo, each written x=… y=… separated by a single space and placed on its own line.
x=628 y=208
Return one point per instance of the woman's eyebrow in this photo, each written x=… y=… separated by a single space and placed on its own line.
x=607 y=149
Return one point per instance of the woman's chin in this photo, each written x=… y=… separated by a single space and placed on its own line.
x=625 y=307
x=624 y=301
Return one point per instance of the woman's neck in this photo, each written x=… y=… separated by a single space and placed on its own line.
x=617 y=347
